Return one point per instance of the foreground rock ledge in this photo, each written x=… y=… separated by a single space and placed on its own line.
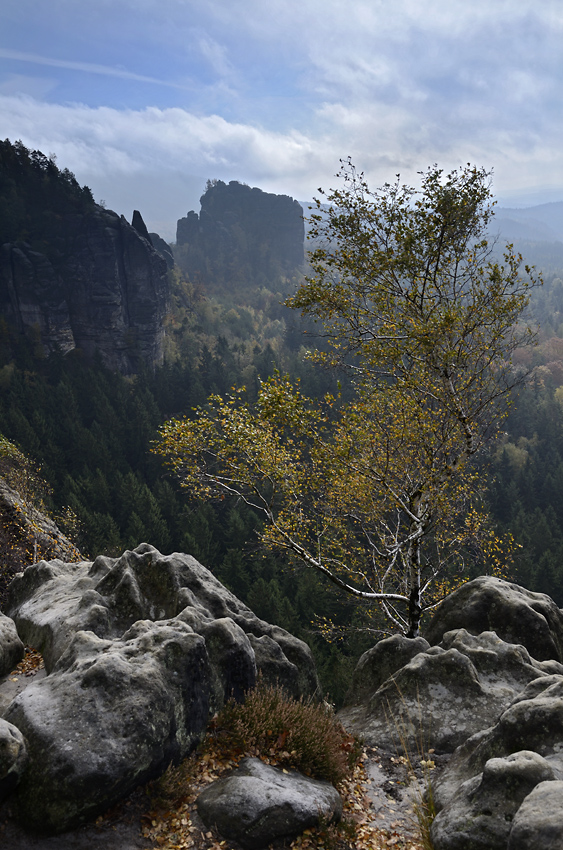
x=140 y=651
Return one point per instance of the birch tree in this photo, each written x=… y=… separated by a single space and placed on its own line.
x=380 y=494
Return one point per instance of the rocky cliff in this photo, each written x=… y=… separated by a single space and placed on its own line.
x=106 y=292
x=243 y=236
x=74 y=275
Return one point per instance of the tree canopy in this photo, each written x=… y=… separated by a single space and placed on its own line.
x=378 y=492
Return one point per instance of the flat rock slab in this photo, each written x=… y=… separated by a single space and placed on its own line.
x=257 y=804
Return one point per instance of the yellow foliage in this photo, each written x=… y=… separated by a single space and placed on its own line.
x=379 y=493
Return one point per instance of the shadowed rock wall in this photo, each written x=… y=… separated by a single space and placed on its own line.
x=100 y=286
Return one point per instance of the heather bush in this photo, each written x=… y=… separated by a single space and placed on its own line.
x=299 y=733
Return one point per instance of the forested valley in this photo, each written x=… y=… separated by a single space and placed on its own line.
x=90 y=430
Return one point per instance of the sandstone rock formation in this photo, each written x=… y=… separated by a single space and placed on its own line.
x=491 y=687
x=539 y=820
x=490 y=777
x=242 y=236
x=97 y=286
x=11 y=647
x=111 y=715
x=257 y=804
x=517 y=615
x=445 y=694
x=140 y=651
x=13 y=757
x=380 y=662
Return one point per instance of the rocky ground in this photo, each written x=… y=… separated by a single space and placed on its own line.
x=378 y=810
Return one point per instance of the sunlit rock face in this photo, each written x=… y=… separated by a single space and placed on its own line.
x=96 y=285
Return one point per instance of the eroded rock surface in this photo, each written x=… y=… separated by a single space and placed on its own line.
x=380 y=662
x=11 y=647
x=257 y=804
x=446 y=694
x=53 y=600
x=481 y=813
x=112 y=714
x=504 y=764
x=539 y=820
x=101 y=288
x=140 y=651
x=516 y=615
x=13 y=757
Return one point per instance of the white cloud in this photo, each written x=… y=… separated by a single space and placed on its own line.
x=287 y=88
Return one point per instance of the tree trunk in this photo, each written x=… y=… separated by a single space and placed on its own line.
x=415 y=611
x=415 y=606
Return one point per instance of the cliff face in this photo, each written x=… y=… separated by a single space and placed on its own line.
x=241 y=235
x=98 y=286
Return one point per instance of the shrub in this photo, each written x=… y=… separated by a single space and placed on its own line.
x=300 y=733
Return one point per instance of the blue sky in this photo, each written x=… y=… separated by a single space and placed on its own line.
x=146 y=99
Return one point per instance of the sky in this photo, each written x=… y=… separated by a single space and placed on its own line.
x=144 y=100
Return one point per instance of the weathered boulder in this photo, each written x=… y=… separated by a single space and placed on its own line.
x=140 y=651
x=11 y=647
x=502 y=763
x=380 y=662
x=110 y=715
x=539 y=820
x=51 y=601
x=480 y=816
x=517 y=616
x=446 y=694
x=257 y=804
x=13 y=757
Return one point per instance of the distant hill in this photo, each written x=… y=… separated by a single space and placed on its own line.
x=543 y=222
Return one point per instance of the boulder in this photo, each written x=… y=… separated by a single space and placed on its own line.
x=112 y=714
x=11 y=648
x=533 y=721
x=493 y=772
x=140 y=651
x=517 y=616
x=446 y=694
x=51 y=601
x=13 y=757
x=480 y=816
x=257 y=804
x=380 y=662
x=539 y=820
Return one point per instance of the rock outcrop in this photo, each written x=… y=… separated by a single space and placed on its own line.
x=13 y=757
x=490 y=777
x=242 y=236
x=112 y=714
x=140 y=651
x=517 y=615
x=257 y=804
x=490 y=689
x=446 y=693
x=11 y=647
x=97 y=286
